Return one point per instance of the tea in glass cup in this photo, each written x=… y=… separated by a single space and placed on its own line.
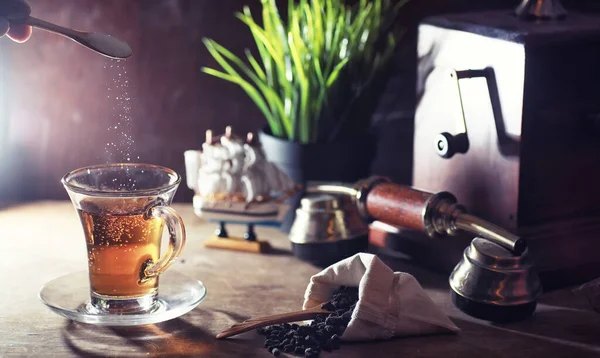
x=123 y=209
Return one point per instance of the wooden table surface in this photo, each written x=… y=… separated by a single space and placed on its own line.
x=43 y=240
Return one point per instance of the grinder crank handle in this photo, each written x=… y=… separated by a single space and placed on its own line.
x=435 y=214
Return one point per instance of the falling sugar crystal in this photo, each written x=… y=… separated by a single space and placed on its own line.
x=121 y=149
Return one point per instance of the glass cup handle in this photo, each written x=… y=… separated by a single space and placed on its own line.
x=176 y=241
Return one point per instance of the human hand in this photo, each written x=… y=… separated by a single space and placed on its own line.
x=11 y=10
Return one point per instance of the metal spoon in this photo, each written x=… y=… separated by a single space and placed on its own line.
x=103 y=44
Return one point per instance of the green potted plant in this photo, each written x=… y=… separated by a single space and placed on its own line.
x=317 y=78
x=313 y=78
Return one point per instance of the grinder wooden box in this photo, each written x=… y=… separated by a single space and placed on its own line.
x=530 y=94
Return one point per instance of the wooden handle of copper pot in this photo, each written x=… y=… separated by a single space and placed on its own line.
x=434 y=214
x=397 y=205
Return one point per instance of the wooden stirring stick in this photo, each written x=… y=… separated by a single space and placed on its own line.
x=256 y=322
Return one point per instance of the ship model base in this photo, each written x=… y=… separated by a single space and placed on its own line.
x=249 y=243
x=257 y=213
x=238 y=244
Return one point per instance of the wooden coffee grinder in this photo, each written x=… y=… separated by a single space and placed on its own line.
x=508 y=120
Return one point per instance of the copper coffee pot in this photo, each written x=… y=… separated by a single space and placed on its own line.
x=494 y=280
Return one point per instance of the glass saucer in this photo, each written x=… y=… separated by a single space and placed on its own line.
x=69 y=297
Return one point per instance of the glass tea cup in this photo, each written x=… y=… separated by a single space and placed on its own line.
x=123 y=209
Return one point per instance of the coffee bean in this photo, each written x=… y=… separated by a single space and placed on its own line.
x=310 y=353
x=328 y=306
x=334 y=344
x=323 y=333
x=322 y=337
x=332 y=320
x=276 y=352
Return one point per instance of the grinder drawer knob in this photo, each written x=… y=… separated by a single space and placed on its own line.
x=446 y=144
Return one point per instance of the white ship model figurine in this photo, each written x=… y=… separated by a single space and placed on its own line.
x=233 y=181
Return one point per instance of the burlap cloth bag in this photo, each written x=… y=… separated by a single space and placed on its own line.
x=390 y=303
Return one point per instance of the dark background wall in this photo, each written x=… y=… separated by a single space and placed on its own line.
x=59 y=105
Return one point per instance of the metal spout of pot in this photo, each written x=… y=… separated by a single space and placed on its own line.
x=541 y=10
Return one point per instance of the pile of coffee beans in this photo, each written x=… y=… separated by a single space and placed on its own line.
x=323 y=333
